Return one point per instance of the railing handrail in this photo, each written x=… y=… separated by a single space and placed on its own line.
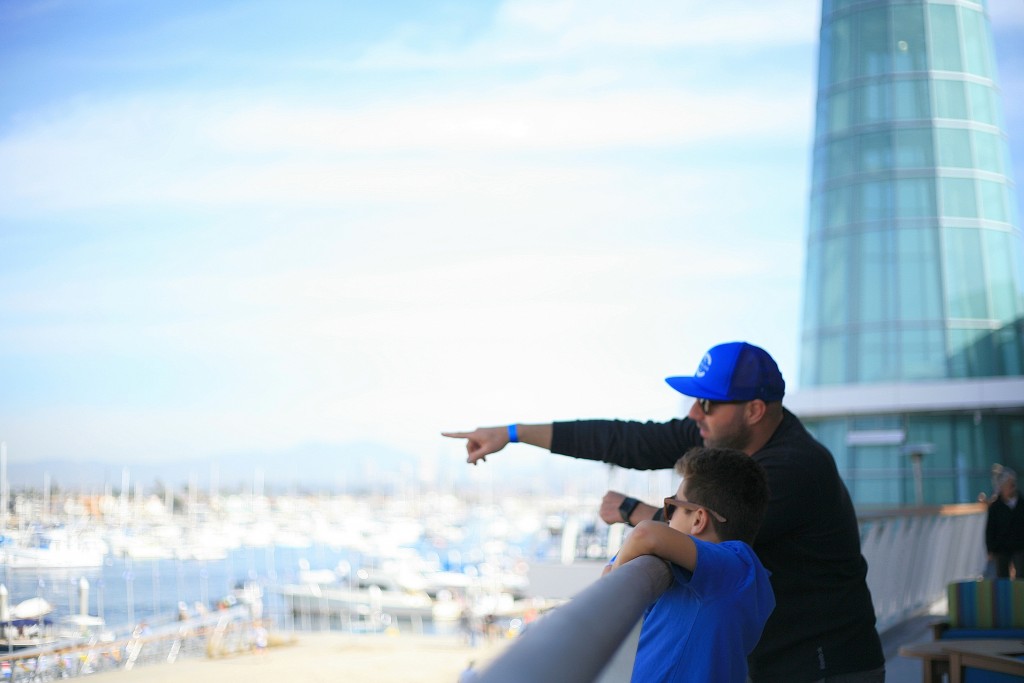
x=951 y=510
x=585 y=632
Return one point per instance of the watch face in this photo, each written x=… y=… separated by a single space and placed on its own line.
x=626 y=508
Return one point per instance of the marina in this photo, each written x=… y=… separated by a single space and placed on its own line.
x=91 y=582
x=325 y=563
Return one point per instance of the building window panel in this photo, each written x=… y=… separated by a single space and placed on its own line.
x=953 y=147
x=838 y=208
x=922 y=354
x=875 y=152
x=821 y=116
x=909 y=34
x=955 y=451
x=841 y=158
x=872 y=103
x=835 y=288
x=915 y=197
x=873 y=488
x=822 y=169
x=913 y=148
x=871 y=31
x=877 y=361
x=877 y=457
x=977 y=51
x=873 y=286
x=982 y=101
x=809 y=360
x=839 y=111
x=972 y=353
x=911 y=100
x=812 y=282
x=1008 y=346
x=993 y=200
x=945 y=39
x=919 y=283
x=965 y=273
x=843 y=4
x=999 y=264
x=839 y=58
x=988 y=151
x=875 y=204
x=833 y=359
x=950 y=100
x=958 y=198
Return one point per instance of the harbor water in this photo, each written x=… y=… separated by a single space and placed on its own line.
x=126 y=591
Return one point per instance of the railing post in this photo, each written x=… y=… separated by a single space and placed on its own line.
x=574 y=642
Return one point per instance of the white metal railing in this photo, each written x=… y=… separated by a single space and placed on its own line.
x=217 y=634
x=912 y=555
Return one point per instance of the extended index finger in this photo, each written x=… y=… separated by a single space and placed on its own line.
x=457 y=435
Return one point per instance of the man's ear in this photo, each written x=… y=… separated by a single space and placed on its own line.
x=755 y=411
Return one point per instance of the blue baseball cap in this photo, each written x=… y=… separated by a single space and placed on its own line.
x=736 y=371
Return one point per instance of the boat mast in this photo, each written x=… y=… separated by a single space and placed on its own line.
x=3 y=488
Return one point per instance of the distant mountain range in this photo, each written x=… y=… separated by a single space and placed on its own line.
x=316 y=468
x=309 y=468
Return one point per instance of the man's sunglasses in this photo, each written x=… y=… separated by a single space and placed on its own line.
x=672 y=503
x=706 y=404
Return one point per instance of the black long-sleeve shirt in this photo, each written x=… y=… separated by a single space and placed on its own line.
x=824 y=620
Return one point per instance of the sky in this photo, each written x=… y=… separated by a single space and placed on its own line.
x=231 y=227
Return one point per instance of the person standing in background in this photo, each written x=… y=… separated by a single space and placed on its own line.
x=1004 y=528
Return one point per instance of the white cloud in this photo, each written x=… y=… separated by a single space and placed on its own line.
x=663 y=23
x=209 y=152
x=540 y=32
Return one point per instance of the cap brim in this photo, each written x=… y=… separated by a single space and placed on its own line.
x=692 y=386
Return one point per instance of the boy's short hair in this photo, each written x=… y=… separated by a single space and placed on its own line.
x=729 y=482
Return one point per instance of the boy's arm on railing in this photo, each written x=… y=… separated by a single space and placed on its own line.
x=574 y=642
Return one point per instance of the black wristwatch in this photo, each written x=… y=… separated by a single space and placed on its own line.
x=626 y=508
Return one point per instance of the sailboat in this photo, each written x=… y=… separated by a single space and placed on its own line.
x=24 y=625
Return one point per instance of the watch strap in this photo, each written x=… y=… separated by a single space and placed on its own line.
x=626 y=508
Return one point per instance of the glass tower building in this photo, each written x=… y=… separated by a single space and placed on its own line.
x=912 y=343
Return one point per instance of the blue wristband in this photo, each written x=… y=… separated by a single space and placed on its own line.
x=513 y=434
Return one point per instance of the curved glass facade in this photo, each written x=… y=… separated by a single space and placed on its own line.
x=914 y=258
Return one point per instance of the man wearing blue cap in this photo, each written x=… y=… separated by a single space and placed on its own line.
x=823 y=626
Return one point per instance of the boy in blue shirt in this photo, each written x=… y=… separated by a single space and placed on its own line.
x=711 y=617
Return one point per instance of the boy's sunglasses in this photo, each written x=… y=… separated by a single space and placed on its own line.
x=672 y=503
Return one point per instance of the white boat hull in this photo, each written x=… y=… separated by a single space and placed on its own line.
x=312 y=599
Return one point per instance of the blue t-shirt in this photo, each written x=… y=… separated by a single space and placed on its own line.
x=707 y=622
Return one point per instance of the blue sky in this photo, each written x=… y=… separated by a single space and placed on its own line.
x=233 y=226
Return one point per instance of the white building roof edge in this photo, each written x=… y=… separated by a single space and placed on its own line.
x=988 y=394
